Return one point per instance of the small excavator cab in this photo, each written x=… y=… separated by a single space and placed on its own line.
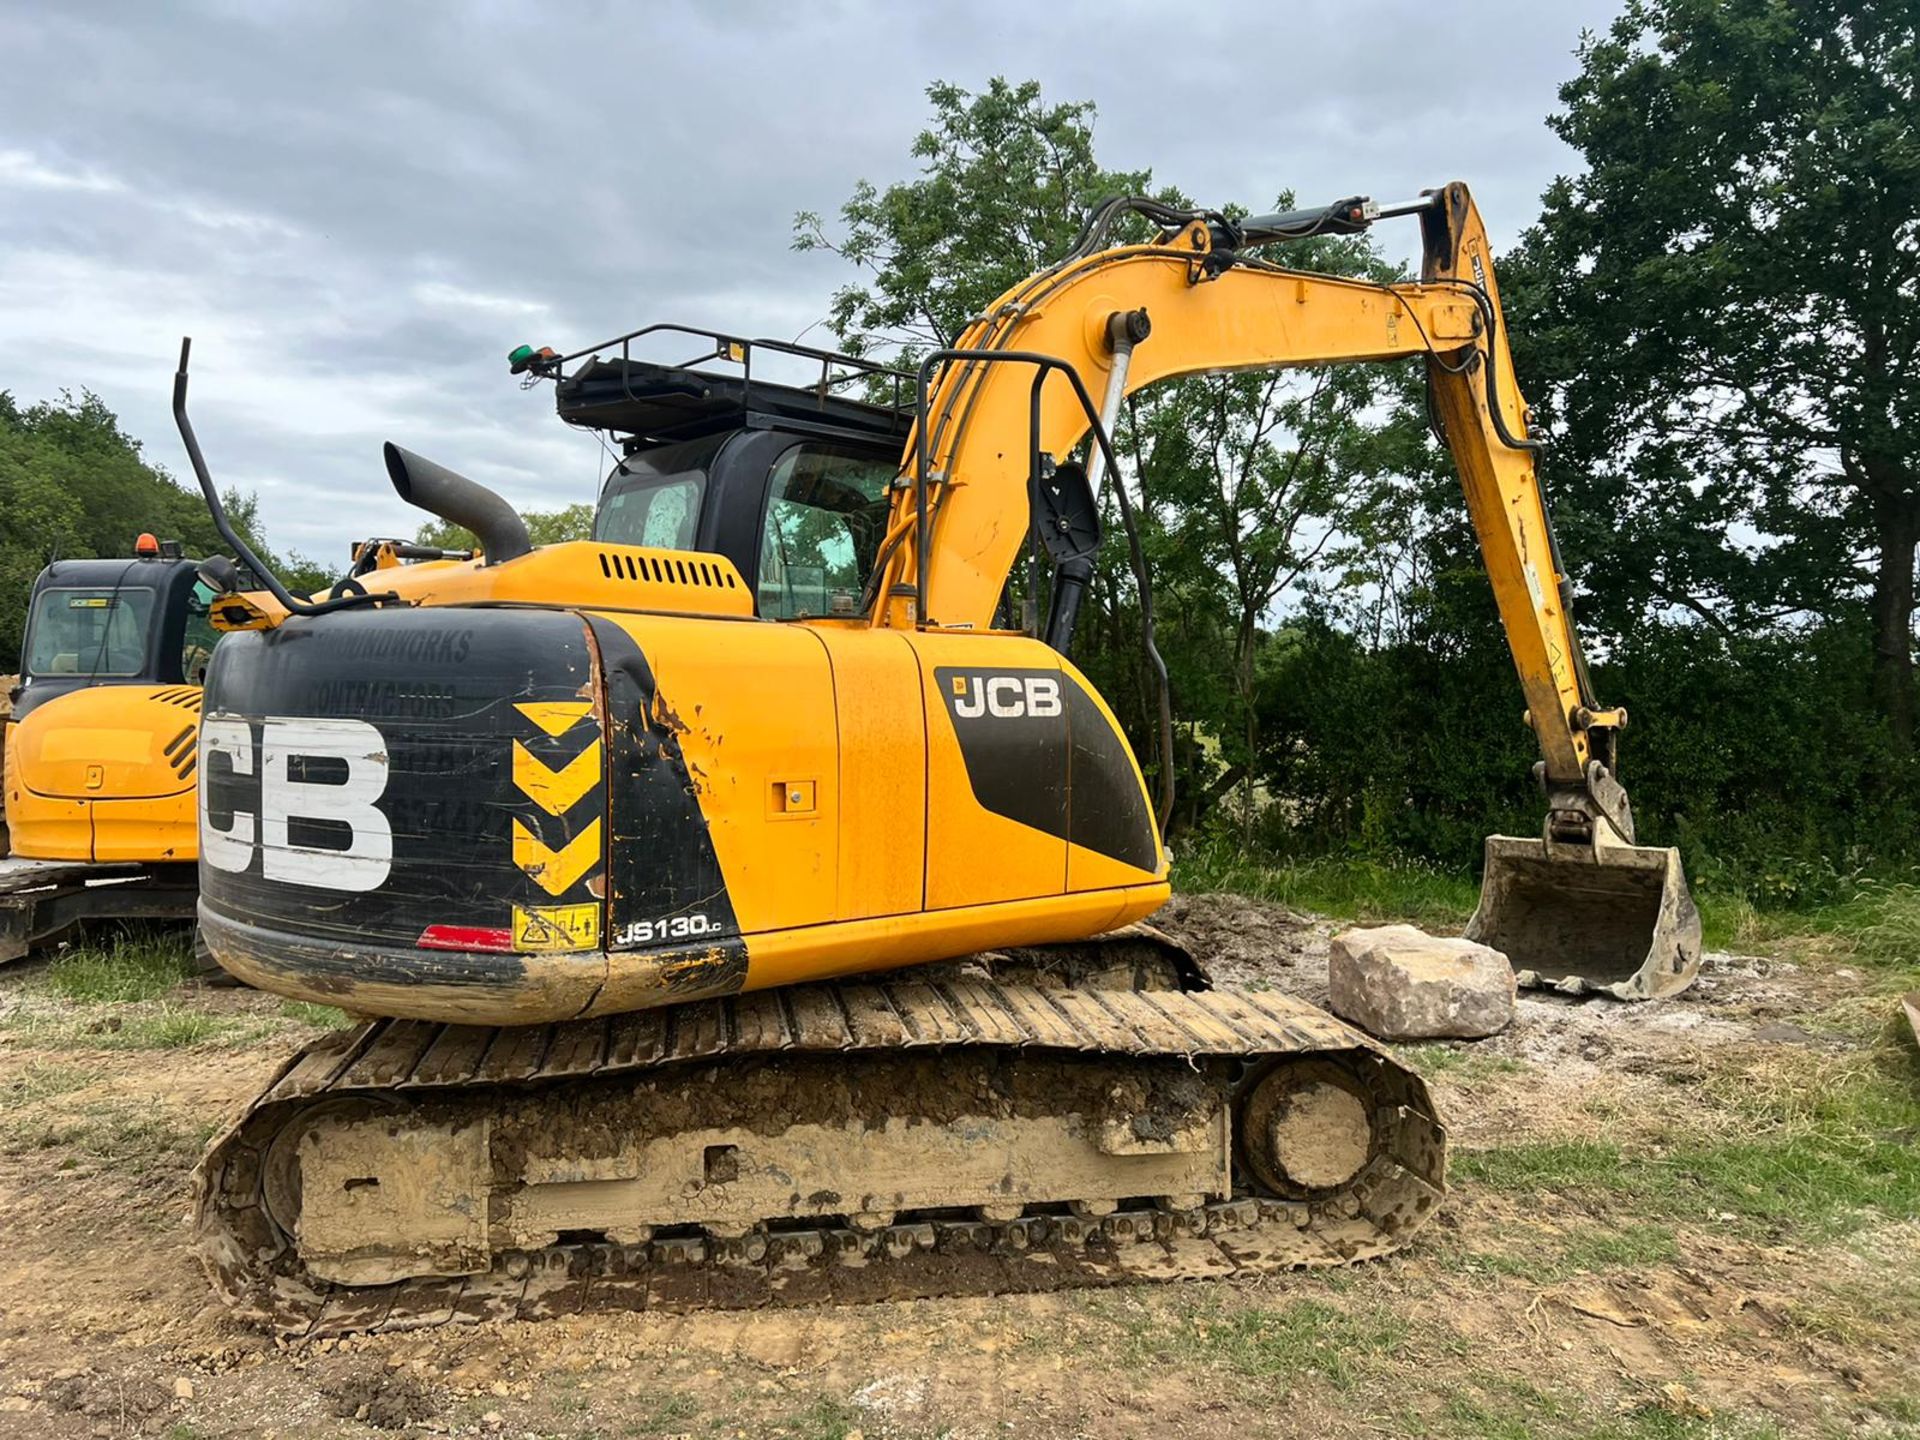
x=101 y=748
x=115 y=622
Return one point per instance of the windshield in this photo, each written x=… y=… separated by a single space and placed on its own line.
x=653 y=498
x=826 y=516
x=91 y=631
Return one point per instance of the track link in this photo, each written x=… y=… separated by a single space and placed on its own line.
x=1100 y=1239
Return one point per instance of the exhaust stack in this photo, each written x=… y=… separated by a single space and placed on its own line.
x=439 y=491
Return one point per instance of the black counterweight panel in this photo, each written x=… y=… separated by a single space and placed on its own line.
x=1039 y=750
x=422 y=711
x=1108 y=813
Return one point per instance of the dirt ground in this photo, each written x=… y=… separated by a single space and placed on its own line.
x=1545 y=1299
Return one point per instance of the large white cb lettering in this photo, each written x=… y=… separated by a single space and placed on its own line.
x=230 y=849
x=367 y=858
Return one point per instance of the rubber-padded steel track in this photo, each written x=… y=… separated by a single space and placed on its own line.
x=255 y=1265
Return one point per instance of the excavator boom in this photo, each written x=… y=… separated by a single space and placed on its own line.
x=1582 y=907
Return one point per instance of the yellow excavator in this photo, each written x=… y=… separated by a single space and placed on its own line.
x=629 y=843
x=101 y=746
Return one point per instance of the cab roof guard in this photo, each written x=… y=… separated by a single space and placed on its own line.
x=611 y=388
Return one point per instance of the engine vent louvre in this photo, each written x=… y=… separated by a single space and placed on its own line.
x=183 y=751
x=688 y=570
x=187 y=697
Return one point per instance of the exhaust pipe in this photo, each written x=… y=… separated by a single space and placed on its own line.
x=439 y=491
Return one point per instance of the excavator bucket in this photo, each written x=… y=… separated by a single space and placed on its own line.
x=1613 y=919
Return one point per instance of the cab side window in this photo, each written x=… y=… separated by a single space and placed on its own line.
x=826 y=515
x=196 y=646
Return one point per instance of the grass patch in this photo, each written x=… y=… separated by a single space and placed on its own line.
x=41 y=1081
x=125 y=995
x=825 y=1419
x=1545 y=1257
x=1499 y=1407
x=153 y=1026
x=1811 y=1186
x=1651 y=1422
x=1467 y=1064
x=136 y=1137
x=321 y=1017
x=130 y=969
x=1271 y=1346
x=1343 y=887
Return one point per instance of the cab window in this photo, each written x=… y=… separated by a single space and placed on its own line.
x=653 y=497
x=196 y=646
x=90 y=631
x=826 y=516
x=661 y=512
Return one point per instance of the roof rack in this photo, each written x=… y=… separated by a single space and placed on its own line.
x=655 y=402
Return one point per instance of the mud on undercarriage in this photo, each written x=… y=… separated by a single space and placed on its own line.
x=824 y=1143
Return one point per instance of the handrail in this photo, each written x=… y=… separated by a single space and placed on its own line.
x=923 y=519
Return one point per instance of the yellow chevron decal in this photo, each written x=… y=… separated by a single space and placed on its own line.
x=556 y=871
x=555 y=791
x=556 y=717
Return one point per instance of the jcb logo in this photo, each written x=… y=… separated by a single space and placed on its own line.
x=314 y=770
x=1006 y=697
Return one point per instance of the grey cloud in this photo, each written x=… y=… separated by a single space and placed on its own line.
x=358 y=208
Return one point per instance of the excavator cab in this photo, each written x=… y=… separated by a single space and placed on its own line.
x=792 y=484
x=101 y=745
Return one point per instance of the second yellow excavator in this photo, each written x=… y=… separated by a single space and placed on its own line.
x=618 y=835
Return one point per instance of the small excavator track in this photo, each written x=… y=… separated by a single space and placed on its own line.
x=1127 y=1135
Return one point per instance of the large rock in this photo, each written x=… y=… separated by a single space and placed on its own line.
x=1400 y=983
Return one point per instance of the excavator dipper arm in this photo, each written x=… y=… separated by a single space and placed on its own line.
x=1582 y=907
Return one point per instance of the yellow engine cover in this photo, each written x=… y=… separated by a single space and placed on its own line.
x=105 y=773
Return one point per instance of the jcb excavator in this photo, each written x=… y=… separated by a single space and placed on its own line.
x=101 y=746
x=616 y=838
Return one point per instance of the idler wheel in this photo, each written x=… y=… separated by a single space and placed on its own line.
x=1306 y=1128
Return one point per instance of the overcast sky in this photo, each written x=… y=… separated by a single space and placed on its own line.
x=357 y=209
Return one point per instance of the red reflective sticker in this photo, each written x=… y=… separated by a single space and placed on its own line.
x=465 y=937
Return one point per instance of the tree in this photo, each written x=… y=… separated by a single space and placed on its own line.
x=544 y=527
x=1006 y=183
x=1727 y=308
x=74 y=485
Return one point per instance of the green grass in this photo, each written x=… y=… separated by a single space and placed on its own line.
x=1272 y=1346
x=321 y=1017
x=134 y=993
x=1808 y=1188
x=130 y=969
x=40 y=1082
x=1543 y=1258
x=1345 y=888
x=1463 y=1063
x=825 y=1419
x=136 y=1137
x=1651 y=1422
x=152 y=1025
